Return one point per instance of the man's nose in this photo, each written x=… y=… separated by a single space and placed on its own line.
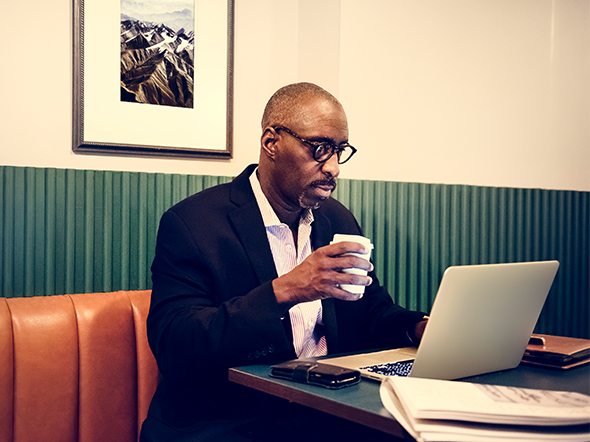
x=331 y=166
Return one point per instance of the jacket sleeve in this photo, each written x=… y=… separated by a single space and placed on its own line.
x=206 y=314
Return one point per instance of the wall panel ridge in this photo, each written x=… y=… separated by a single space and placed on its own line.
x=72 y=231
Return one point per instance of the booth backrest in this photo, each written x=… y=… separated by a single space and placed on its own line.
x=75 y=367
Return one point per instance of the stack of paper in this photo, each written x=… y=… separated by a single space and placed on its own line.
x=433 y=410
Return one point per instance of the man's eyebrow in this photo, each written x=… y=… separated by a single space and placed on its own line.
x=321 y=140
x=325 y=140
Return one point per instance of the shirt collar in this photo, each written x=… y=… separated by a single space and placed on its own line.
x=269 y=216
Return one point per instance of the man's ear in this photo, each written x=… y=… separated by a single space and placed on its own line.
x=268 y=142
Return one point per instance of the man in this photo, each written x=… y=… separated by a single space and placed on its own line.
x=244 y=273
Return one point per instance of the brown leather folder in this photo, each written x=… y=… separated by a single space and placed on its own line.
x=558 y=352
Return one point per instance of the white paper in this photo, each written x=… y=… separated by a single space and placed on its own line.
x=433 y=410
x=436 y=399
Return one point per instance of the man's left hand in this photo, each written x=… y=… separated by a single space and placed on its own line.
x=418 y=330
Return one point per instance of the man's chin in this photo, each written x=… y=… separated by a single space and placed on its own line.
x=314 y=195
x=316 y=206
x=309 y=203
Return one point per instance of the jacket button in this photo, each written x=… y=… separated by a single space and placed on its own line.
x=271 y=348
x=256 y=354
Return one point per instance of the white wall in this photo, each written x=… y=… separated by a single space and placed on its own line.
x=458 y=91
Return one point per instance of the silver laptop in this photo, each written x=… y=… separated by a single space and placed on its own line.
x=481 y=321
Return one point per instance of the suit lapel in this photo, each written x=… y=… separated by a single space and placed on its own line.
x=249 y=226
x=251 y=233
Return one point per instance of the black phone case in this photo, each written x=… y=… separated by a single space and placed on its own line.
x=315 y=373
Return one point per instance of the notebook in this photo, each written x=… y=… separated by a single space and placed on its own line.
x=558 y=352
x=481 y=321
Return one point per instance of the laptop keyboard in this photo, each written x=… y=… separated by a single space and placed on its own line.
x=400 y=368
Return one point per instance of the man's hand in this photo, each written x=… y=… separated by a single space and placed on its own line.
x=320 y=275
x=418 y=330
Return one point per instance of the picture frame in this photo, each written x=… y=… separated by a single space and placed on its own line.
x=104 y=124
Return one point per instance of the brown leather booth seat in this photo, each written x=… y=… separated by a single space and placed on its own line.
x=75 y=367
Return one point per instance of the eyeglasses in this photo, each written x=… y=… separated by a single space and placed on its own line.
x=323 y=151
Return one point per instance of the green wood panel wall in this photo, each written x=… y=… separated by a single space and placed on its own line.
x=74 y=231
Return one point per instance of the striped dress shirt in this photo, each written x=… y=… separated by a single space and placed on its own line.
x=306 y=318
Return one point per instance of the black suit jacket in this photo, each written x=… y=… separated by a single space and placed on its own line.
x=213 y=305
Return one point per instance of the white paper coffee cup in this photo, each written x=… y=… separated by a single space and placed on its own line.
x=353 y=288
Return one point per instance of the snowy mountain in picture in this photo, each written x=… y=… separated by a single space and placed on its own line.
x=157 y=57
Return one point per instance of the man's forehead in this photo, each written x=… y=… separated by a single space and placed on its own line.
x=319 y=104
x=321 y=112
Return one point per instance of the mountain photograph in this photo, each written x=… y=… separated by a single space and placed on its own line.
x=157 y=52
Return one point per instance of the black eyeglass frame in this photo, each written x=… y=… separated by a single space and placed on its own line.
x=318 y=146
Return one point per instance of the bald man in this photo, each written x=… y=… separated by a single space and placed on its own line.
x=244 y=273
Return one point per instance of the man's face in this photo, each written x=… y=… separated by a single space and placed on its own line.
x=299 y=179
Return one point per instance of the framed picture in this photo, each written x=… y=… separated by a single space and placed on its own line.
x=153 y=77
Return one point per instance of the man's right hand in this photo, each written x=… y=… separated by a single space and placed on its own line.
x=320 y=276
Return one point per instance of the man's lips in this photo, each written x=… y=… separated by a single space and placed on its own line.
x=324 y=188
x=325 y=184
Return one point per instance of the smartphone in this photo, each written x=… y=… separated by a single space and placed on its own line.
x=315 y=373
